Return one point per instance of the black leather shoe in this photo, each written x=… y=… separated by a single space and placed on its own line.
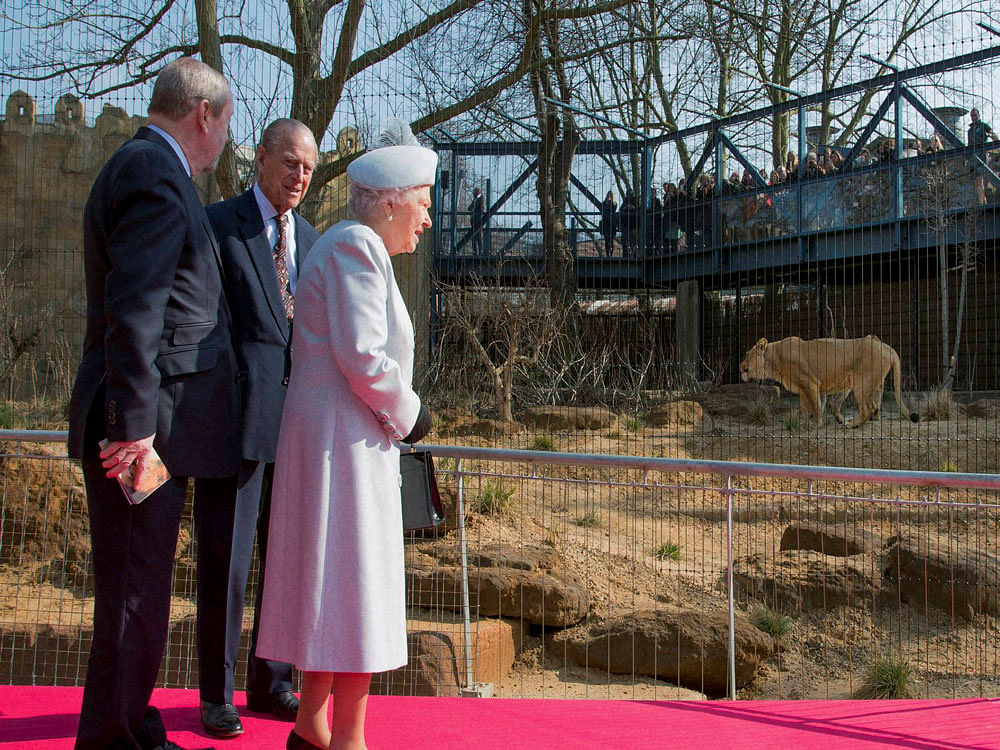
x=295 y=742
x=284 y=705
x=221 y=719
x=168 y=745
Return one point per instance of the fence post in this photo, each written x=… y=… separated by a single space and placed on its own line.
x=466 y=618
x=729 y=587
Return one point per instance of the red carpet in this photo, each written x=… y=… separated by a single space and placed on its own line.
x=41 y=717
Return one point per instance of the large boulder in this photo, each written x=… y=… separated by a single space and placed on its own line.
x=431 y=669
x=676 y=414
x=453 y=420
x=491 y=428
x=683 y=647
x=533 y=584
x=943 y=576
x=804 y=580
x=829 y=539
x=570 y=418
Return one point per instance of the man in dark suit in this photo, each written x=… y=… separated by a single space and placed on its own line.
x=157 y=378
x=263 y=243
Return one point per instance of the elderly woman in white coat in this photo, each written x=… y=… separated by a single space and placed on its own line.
x=333 y=601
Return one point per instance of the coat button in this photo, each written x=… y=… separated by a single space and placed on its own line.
x=111 y=411
x=284 y=381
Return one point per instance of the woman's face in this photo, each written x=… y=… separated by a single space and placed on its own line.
x=409 y=219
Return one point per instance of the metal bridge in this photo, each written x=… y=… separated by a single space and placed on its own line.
x=891 y=216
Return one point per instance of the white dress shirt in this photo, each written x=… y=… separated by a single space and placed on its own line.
x=269 y=215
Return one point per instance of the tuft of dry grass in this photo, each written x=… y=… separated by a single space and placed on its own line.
x=938 y=405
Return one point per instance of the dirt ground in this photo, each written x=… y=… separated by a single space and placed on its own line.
x=609 y=524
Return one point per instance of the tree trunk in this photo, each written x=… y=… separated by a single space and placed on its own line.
x=943 y=299
x=226 y=173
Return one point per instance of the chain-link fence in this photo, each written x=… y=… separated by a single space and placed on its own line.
x=605 y=577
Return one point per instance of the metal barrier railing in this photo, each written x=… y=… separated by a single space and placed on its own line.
x=723 y=519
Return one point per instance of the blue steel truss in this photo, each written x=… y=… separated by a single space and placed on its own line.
x=783 y=231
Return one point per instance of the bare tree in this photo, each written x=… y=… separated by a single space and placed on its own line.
x=96 y=47
x=948 y=204
x=508 y=331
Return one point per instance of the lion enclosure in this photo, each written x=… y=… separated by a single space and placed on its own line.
x=618 y=218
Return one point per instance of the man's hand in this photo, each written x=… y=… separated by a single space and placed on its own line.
x=116 y=457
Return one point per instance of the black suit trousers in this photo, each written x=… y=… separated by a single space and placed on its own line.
x=132 y=548
x=228 y=512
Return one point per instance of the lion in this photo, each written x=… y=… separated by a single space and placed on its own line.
x=813 y=369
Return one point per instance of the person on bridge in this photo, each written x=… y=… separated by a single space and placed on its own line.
x=608 y=223
x=979 y=133
x=477 y=213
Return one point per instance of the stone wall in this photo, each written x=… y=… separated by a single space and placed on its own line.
x=47 y=166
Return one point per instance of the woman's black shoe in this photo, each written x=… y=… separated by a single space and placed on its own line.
x=295 y=742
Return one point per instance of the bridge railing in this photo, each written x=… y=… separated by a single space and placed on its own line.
x=569 y=575
x=927 y=186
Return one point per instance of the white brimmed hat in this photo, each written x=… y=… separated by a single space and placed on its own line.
x=394 y=167
x=397 y=161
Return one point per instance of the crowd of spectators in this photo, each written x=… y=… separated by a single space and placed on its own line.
x=682 y=214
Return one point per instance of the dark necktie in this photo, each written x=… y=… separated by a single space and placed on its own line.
x=287 y=299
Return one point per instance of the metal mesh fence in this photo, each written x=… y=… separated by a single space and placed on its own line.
x=660 y=187
x=722 y=228
x=604 y=577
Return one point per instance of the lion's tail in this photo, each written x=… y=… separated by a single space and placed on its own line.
x=897 y=377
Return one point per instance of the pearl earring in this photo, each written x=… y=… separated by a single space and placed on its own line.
x=390 y=217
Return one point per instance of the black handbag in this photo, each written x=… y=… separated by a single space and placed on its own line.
x=422 y=507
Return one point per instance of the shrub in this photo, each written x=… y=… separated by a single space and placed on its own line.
x=543 y=443
x=667 y=551
x=767 y=620
x=938 y=405
x=757 y=410
x=612 y=435
x=495 y=499
x=632 y=424
x=889 y=677
x=7 y=416
x=588 y=520
x=793 y=421
x=948 y=465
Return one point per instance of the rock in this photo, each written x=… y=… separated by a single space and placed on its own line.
x=805 y=580
x=735 y=400
x=550 y=595
x=503 y=555
x=683 y=647
x=489 y=428
x=437 y=663
x=829 y=539
x=570 y=418
x=951 y=580
x=676 y=413
x=432 y=668
x=453 y=420
x=983 y=408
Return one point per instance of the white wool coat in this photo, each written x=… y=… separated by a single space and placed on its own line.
x=333 y=595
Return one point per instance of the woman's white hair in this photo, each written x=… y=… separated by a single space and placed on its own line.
x=366 y=203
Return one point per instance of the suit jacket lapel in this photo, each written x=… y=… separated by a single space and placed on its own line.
x=251 y=227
